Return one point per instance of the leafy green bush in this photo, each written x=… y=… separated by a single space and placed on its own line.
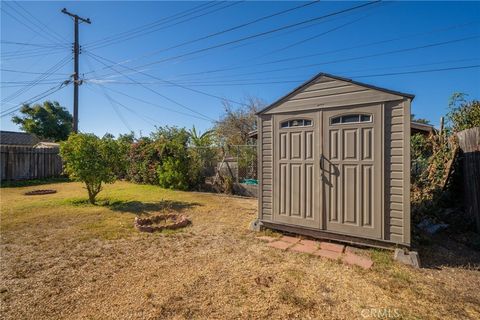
x=143 y=160
x=173 y=174
x=92 y=160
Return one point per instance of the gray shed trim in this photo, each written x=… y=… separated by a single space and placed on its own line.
x=322 y=74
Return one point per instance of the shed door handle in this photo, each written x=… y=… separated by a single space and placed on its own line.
x=321 y=162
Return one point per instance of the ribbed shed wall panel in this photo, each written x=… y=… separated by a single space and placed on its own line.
x=266 y=145
x=395 y=171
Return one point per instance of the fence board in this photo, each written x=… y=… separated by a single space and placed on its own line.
x=22 y=163
x=469 y=142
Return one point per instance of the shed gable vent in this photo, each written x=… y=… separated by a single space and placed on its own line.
x=351 y=118
x=296 y=123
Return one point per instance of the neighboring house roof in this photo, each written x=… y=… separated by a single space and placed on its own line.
x=18 y=138
x=45 y=144
x=417 y=127
x=322 y=74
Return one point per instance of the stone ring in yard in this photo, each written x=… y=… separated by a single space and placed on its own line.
x=161 y=222
x=40 y=192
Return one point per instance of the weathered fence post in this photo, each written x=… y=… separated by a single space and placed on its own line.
x=469 y=142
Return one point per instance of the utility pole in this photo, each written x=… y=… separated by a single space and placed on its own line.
x=76 y=52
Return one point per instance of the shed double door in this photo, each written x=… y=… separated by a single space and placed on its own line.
x=328 y=172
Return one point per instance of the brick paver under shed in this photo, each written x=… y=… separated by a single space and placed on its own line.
x=328 y=250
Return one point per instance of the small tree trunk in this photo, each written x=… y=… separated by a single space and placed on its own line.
x=93 y=190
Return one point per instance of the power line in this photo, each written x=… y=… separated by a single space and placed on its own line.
x=40 y=96
x=42 y=45
x=148 y=25
x=30 y=81
x=165 y=27
x=60 y=38
x=112 y=101
x=43 y=35
x=419 y=71
x=43 y=76
x=31 y=72
x=233 y=28
x=302 y=57
x=18 y=55
x=430 y=45
x=135 y=112
x=257 y=34
x=333 y=61
x=166 y=81
x=115 y=109
x=250 y=81
x=94 y=56
x=153 y=104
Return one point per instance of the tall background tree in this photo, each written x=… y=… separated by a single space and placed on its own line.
x=234 y=126
x=48 y=120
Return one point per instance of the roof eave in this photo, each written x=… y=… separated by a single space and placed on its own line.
x=323 y=74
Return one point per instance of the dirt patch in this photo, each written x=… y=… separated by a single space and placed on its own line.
x=158 y=223
x=40 y=192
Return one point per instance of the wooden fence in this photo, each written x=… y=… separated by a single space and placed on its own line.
x=23 y=163
x=469 y=142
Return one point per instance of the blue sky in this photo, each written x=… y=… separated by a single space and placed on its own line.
x=362 y=44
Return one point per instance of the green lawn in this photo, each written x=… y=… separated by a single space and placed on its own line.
x=65 y=258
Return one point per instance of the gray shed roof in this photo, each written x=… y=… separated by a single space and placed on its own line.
x=18 y=138
x=322 y=74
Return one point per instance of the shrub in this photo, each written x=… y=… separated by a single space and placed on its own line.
x=173 y=170
x=143 y=160
x=173 y=174
x=92 y=160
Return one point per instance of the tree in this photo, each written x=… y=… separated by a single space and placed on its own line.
x=463 y=114
x=201 y=139
x=49 y=121
x=233 y=128
x=92 y=160
x=419 y=120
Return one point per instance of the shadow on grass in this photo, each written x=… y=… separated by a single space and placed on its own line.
x=35 y=182
x=445 y=251
x=139 y=207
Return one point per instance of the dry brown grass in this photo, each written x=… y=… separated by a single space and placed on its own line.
x=63 y=258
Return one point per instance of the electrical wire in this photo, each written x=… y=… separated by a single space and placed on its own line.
x=153 y=104
x=284 y=27
x=31 y=72
x=166 y=81
x=303 y=5
x=230 y=4
x=60 y=38
x=40 y=96
x=147 y=119
x=23 y=22
x=97 y=58
x=47 y=74
x=375 y=55
x=147 y=26
x=351 y=48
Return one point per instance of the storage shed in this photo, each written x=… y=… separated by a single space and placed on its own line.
x=334 y=162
